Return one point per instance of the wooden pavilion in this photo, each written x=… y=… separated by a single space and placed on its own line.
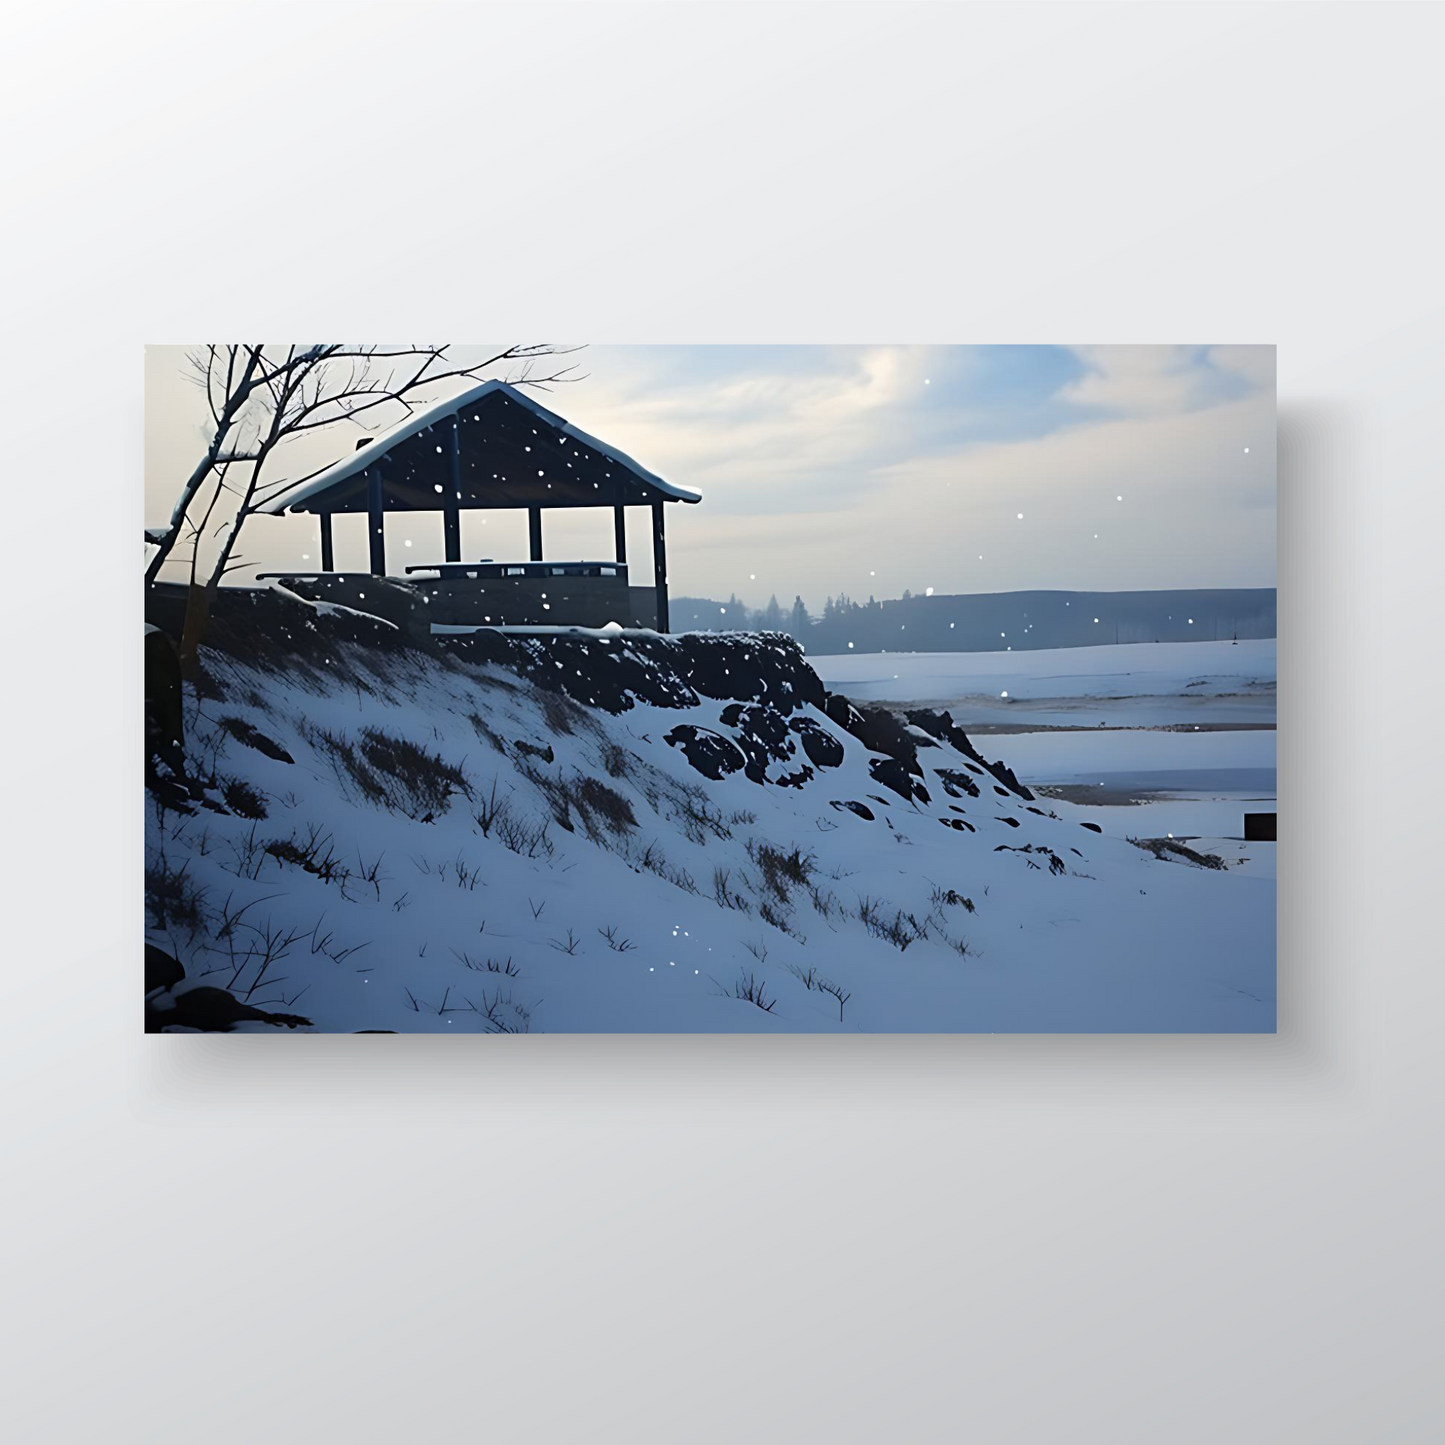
x=490 y=448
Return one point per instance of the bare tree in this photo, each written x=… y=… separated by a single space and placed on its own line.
x=261 y=396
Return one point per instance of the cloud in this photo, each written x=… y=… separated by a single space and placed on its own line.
x=1141 y=381
x=1197 y=508
x=1255 y=363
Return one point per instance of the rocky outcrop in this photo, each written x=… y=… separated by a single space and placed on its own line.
x=198 y=1010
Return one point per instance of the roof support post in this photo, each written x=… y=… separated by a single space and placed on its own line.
x=619 y=531
x=328 y=557
x=374 y=520
x=451 y=507
x=659 y=565
x=534 y=532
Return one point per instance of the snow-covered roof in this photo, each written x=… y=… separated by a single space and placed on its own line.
x=492 y=393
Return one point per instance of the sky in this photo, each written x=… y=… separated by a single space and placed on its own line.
x=865 y=470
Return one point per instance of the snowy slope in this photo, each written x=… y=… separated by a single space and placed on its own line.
x=453 y=843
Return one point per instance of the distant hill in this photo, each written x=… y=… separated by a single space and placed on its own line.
x=996 y=621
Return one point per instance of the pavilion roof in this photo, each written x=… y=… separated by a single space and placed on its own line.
x=511 y=452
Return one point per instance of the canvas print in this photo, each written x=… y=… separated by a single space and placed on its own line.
x=535 y=688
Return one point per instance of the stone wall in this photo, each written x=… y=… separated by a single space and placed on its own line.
x=413 y=606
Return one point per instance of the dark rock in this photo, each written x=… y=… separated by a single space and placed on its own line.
x=842 y=712
x=1006 y=775
x=893 y=774
x=794 y=779
x=762 y=734
x=713 y=755
x=861 y=809
x=941 y=725
x=822 y=748
x=614 y=673
x=881 y=731
x=162 y=971
x=957 y=784
x=214 y=1010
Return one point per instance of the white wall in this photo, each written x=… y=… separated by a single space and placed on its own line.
x=1023 y=1239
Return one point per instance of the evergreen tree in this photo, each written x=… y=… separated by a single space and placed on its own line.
x=798 y=619
x=773 y=615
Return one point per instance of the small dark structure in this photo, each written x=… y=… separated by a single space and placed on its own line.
x=490 y=448
x=1260 y=827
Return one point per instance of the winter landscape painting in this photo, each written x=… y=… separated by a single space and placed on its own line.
x=542 y=688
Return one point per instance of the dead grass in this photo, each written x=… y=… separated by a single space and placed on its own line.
x=753 y=990
x=1165 y=848
x=392 y=771
x=173 y=899
x=781 y=871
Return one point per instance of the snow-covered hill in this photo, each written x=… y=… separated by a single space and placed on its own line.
x=632 y=833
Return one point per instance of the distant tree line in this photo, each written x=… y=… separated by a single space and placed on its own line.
x=995 y=621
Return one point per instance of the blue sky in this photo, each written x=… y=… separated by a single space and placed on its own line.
x=871 y=469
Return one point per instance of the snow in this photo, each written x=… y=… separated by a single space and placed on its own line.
x=607 y=632
x=1116 y=941
x=1149 y=684
x=329 y=609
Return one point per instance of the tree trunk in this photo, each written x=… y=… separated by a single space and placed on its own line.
x=198 y=617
